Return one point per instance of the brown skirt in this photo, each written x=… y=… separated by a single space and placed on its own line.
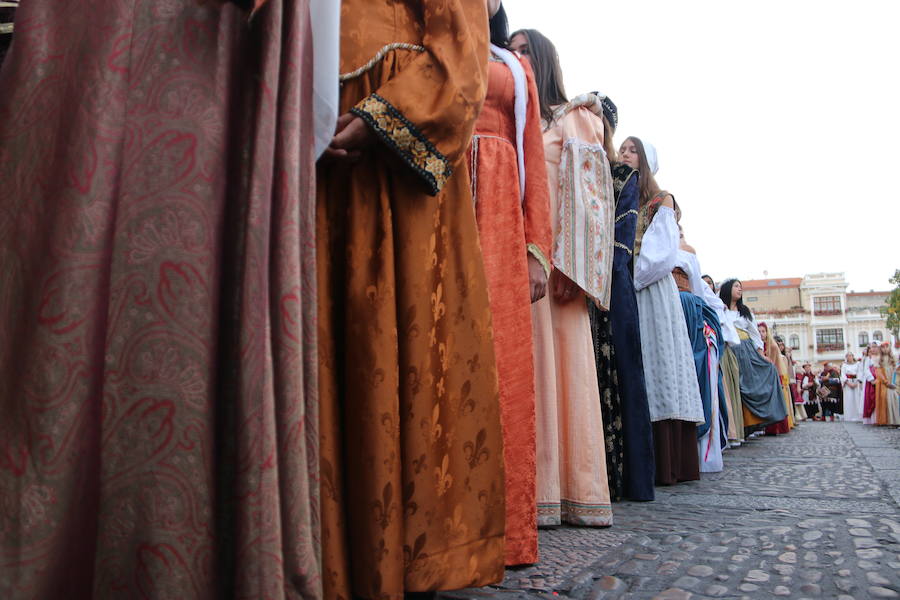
x=677 y=457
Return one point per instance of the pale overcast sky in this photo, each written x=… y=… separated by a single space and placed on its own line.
x=777 y=122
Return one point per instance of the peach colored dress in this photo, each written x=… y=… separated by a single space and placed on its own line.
x=571 y=465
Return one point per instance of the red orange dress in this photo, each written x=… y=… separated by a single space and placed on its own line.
x=511 y=225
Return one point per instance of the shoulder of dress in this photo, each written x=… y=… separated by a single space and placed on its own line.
x=590 y=102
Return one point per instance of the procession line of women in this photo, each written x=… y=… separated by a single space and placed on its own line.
x=293 y=308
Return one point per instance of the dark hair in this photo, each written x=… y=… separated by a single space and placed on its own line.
x=499 y=26
x=547 y=74
x=647 y=183
x=725 y=295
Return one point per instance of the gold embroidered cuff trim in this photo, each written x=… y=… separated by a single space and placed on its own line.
x=624 y=247
x=536 y=252
x=378 y=56
x=406 y=140
x=625 y=214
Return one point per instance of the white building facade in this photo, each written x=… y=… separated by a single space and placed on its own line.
x=830 y=321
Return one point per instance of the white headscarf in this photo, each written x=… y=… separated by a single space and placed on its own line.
x=652 y=160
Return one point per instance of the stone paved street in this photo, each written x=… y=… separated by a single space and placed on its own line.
x=814 y=514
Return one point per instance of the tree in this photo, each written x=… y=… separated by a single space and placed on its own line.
x=892 y=310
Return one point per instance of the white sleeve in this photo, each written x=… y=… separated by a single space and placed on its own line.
x=754 y=334
x=659 y=249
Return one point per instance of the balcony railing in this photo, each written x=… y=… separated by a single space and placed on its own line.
x=827 y=313
x=829 y=347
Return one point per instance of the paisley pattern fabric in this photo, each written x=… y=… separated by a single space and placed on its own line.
x=157 y=349
x=411 y=443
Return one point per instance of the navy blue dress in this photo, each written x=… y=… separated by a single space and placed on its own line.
x=629 y=392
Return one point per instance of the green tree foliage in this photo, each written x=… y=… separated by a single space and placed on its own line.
x=892 y=310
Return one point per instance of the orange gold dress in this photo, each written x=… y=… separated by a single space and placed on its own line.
x=508 y=224
x=411 y=444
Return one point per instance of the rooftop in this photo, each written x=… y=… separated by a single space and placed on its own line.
x=762 y=284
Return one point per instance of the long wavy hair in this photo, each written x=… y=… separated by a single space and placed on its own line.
x=725 y=295
x=646 y=183
x=547 y=73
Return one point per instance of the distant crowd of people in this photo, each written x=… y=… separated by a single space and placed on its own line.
x=863 y=389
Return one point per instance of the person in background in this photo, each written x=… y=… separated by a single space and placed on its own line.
x=703 y=311
x=852 y=388
x=773 y=355
x=411 y=441
x=512 y=207
x=676 y=406
x=809 y=387
x=887 y=412
x=870 y=363
x=792 y=369
x=830 y=379
x=709 y=281
x=894 y=394
x=763 y=403
x=571 y=465
x=617 y=350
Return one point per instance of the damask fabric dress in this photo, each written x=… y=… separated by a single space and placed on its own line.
x=731 y=376
x=887 y=411
x=571 y=475
x=411 y=442
x=774 y=355
x=513 y=220
x=852 y=382
x=157 y=341
x=761 y=395
x=672 y=388
x=620 y=370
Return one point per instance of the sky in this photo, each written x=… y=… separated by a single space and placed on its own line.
x=777 y=123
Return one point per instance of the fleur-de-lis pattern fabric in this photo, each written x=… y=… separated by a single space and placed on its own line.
x=157 y=303
x=411 y=447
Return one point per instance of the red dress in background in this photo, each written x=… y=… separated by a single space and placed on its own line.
x=158 y=411
x=509 y=227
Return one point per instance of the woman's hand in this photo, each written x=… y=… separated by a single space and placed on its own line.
x=537 y=279
x=351 y=136
x=564 y=289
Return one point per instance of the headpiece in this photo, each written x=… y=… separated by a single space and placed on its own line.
x=652 y=159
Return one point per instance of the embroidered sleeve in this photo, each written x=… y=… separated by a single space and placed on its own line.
x=426 y=110
x=583 y=246
x=536 y=252
x=405 y=139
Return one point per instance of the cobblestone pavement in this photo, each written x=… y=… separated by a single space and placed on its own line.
x=813 y=514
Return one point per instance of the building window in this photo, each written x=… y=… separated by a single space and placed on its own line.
x=827 y=305
x=863 y=338
x=829 y=339
x=877 y=337
x=752 y=299
x=795 y=342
